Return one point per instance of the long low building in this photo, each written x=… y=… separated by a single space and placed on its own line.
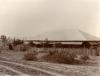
x=66 y=39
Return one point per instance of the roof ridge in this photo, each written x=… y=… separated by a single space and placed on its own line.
x=89 y=36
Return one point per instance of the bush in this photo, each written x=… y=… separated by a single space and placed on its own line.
x=85 y=57
x=10 y=46
x=31 y=43
x=23 y=48
x=30 y=56
x=61 y=57
x=17 y=42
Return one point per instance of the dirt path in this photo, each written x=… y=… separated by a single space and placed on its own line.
x=26 y=69
x=11 y=70
x=69 y=70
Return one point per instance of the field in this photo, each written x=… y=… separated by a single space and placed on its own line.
x=12 y=62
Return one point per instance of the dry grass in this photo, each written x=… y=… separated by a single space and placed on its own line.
x=30 y=56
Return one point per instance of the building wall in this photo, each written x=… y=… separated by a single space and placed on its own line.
x=78 y=51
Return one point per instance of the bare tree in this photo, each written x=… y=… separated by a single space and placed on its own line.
x=3 y=39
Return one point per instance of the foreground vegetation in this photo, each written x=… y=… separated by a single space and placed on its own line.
x=57 y=56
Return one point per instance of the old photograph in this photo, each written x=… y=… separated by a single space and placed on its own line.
x=49 y=37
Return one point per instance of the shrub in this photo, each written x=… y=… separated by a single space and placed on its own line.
x=33 y=50
x=10 y=46
x=85 y=57
x=17 y=42
x=31 y=43
x=23 y=48
x=52 y=52
x=61 y=57
x=30 y=56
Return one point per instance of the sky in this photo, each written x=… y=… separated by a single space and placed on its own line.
x=28 y=18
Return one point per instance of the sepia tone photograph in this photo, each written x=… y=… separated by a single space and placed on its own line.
x=49 y=37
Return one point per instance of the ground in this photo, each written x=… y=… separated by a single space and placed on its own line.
x=11 y=63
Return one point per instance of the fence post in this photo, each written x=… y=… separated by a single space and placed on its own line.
x=97 y=51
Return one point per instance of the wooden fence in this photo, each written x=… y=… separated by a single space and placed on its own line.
x=78 y=51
